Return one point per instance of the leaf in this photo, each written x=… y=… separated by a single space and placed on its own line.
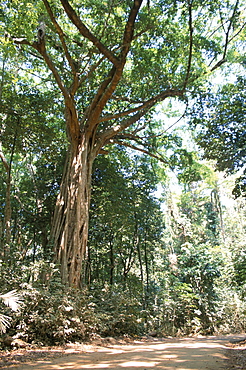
x=4 y=323
x=11 y=299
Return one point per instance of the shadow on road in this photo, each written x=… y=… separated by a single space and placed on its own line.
x=181 y=354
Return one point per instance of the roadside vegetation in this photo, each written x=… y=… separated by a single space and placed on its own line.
x=125 y=215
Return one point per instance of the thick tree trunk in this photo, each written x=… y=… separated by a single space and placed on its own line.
x=71 y=218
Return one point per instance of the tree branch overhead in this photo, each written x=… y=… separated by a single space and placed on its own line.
x=87 y=33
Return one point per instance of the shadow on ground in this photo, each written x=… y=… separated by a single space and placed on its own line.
x=183 y=354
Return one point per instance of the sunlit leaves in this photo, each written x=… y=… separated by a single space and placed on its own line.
x=160 y=48
x=220 y=123
x=22 y=18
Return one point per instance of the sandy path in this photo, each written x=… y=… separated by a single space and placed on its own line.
x=179 y=354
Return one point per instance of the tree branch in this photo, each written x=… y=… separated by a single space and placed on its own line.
x=64 y=45
x=139 y=140
x=123 y=98
x=227 y=38
x=129 y=29
x=71 y=113
x=157 y=156
x=42 y=50
x=191 y=44
x=95 y=108
x=149 y=103
x=218 y=64
x=111 y=132
x=237 y=33
x=91 y=70
x=229 y=28
x=117 y=73
x=4 y=160
x=121 y=114
x=87 y=33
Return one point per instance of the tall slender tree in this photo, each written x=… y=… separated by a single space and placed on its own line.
x=219 y=121
x=113 y=62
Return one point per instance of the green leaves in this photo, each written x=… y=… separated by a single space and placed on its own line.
x=21 y=18
x=175 y=46
x=219 y=119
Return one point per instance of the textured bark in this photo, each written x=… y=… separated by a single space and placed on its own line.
x=71 y=217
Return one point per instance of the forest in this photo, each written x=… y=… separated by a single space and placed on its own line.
x=122 y=168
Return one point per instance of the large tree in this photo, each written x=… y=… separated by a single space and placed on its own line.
x=220 y=129
x=113 y=62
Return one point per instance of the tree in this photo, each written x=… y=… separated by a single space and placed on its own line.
x=195 y=248
x=113 y=63
x=219 y=118
x=31 y=148
x=126 y=223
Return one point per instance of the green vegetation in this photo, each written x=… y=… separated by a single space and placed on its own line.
x=87 y=247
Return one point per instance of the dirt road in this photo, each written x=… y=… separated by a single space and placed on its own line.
x=207 y=353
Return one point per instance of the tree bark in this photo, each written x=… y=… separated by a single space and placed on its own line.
x=69 y=232
x=8 y=209
x=111 y=258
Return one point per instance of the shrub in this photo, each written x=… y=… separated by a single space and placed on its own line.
x=54 y=316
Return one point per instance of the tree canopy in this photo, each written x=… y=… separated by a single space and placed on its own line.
x=88 y=94
x=219 y=118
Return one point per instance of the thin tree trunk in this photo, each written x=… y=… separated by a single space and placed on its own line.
x=69 y=232
x=87 y=267
x=8 y=208
x=146 y=264
x=111 y=257
x=8 y=212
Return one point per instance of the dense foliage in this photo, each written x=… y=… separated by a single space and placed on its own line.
x=219 y=118
x=169 y=264
x=171 y=271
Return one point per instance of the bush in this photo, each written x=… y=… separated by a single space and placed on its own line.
x=118 y=312
x=57 y=315
x=54 y=316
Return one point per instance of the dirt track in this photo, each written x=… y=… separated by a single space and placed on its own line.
x=180 y=354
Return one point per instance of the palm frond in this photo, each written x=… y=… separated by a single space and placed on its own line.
x=4 y=323
x=11 y=299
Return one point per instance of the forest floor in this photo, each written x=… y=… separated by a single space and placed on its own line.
x=199 y=353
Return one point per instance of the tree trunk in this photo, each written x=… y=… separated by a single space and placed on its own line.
x=8 y=209
x=69 y=232
x=111 y=257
